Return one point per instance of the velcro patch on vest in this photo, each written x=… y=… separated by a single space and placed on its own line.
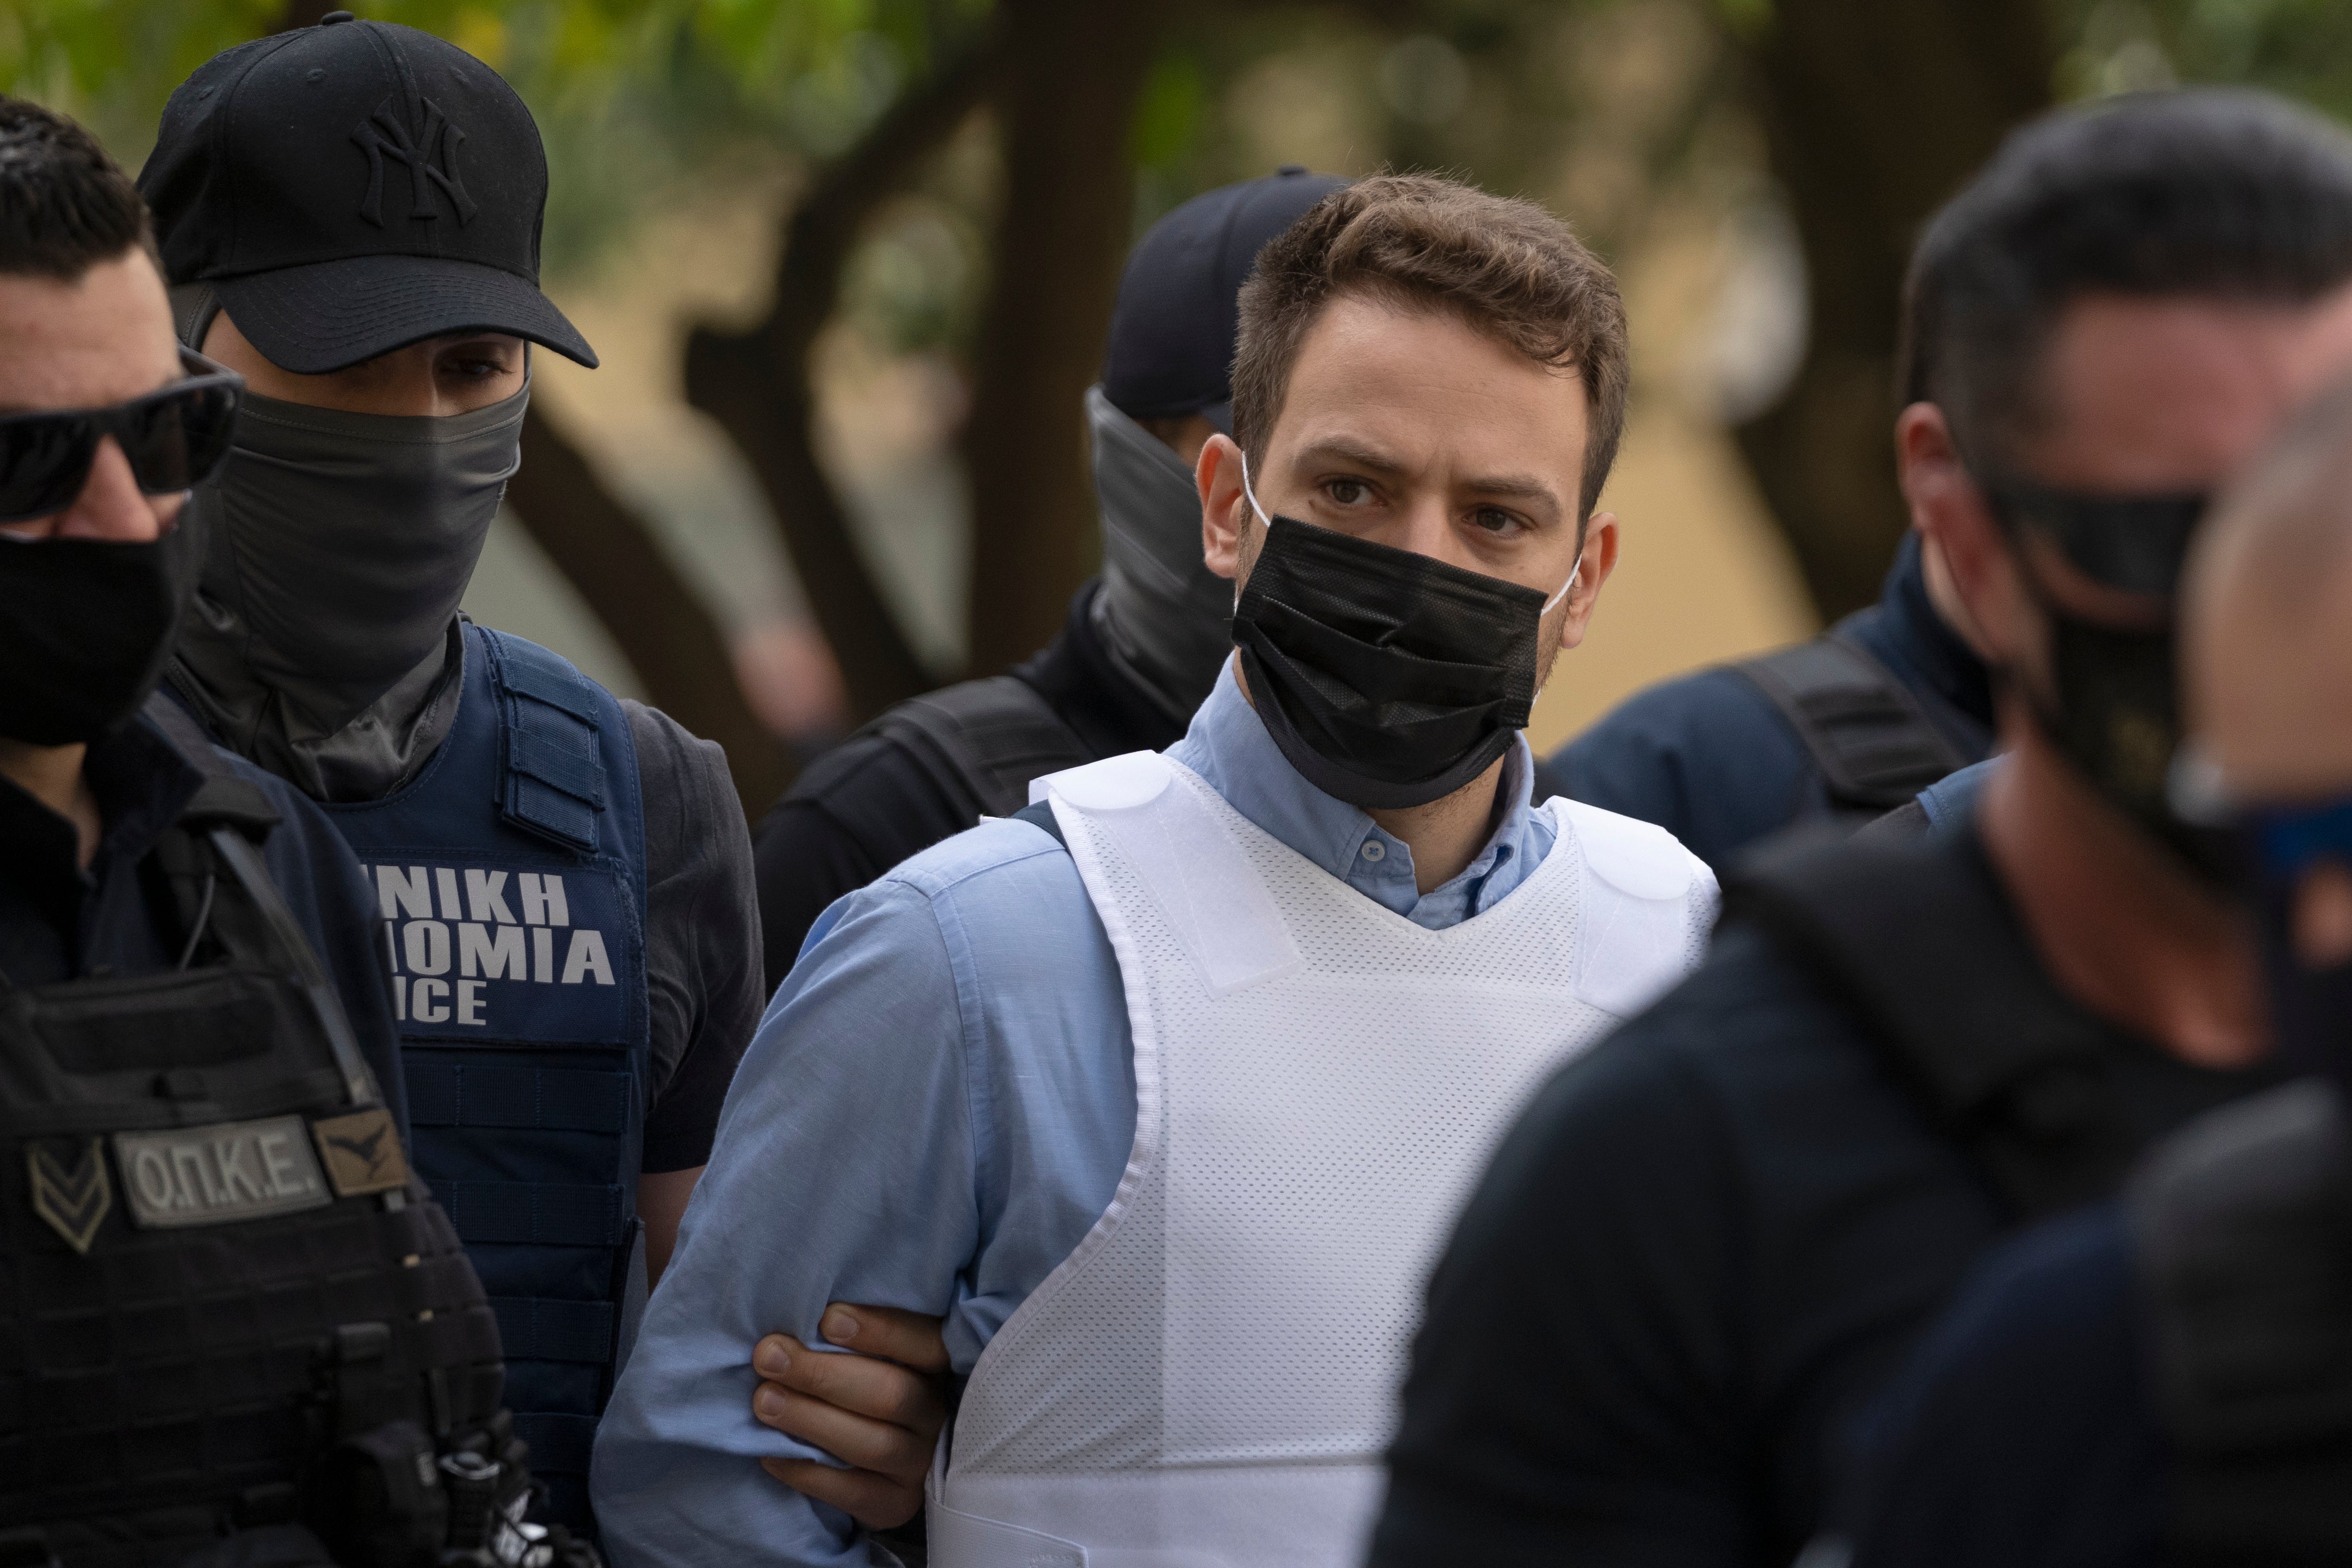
x=361 y=1153
x=73 y=1198
x=218 y=1174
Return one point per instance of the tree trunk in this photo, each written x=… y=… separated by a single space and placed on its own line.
x=1074 y=69
x=1874 y=114
x=756 y=383
x=670 y=638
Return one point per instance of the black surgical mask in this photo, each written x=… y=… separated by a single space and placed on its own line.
x=345 y=541
x=1387 y=678
x=85 y=628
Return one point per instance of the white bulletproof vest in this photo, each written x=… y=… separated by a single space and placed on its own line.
x=1209 y=1380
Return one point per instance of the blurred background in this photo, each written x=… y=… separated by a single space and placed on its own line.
x=848 y=264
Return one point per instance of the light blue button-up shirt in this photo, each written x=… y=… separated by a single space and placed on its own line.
x=936 y=1110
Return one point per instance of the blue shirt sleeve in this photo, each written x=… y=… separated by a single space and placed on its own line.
x=935 y=1109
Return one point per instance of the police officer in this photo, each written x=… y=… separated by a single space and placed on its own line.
x=1145 y=639
x=350 y=214
x=1836 y=730
x=1711 y=1235
x=2162 y=1378
x=1024 y=1079
x=233 y=1325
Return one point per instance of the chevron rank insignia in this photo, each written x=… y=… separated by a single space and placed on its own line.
x=75 y=1199
x=361 y=1153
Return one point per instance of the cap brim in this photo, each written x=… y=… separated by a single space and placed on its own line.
x=332 y=314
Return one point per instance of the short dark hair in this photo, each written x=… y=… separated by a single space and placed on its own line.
x=2211 y=192
x=1504 y=267
x=65 y=206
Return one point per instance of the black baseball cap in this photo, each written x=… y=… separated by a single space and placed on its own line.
x=1179 y=314
x=347 y=189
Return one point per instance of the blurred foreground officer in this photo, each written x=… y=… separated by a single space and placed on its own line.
x=2165 y=1379
x=1837 y=729
x=226 y=1310
x=1145 y=639
x=1715 y=1233
x=352 y=214
x=1165 y=1091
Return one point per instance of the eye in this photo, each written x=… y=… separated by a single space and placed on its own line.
x=1494 y=520
x=1345 y=492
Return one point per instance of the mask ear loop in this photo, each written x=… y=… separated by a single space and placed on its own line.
x=1251 y=494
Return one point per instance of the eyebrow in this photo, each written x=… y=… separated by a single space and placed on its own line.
x=1347 y=449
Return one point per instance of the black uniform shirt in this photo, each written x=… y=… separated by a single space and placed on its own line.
x=702 y=935
x=59 y=921
x=869 y=803
x=1706 y=1241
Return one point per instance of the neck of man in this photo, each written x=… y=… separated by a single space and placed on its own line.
x=1446 y=834
x=53 y=776
x=2121 y=926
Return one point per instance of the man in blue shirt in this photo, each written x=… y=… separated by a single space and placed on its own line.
x=1434 y=379
x=2166 y=1372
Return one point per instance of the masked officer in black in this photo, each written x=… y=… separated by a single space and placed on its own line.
x=1713 y=1234
x=350 y=215
x=1145 y=639
x=2164 y=1378
x=233 y=1327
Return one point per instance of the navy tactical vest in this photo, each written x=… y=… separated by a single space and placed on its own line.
x=510 y=876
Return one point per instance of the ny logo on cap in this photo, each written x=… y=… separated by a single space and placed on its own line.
x=431 y=160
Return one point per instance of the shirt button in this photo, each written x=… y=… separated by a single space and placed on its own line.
x=1373 y=852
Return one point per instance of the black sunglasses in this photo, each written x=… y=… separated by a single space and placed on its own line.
x=2136 y=543
x=174 y=437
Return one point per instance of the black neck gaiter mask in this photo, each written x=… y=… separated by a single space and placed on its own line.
x=1387 y=678
x=85 y=628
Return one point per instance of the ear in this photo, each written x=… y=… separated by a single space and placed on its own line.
x=1955 y=522
x=1593 y=570
x=1224 y=509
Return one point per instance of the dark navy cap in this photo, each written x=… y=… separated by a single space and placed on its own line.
x=348 y=189
x=1173 y=331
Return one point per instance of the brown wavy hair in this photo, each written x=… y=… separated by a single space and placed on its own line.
x=1503 y=267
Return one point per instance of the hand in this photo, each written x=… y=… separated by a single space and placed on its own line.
x=881 y=1409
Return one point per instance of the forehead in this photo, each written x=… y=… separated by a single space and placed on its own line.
x=2174 y=393
x=103 y=337
x=1435 y=391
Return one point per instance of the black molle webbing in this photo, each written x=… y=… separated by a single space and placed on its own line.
x=553 y=782
x=532 y=1329
x=2243 y=1225
x=442 y=1094
x=990 y=737
x=1914 y=941
x=1872 y=742
x=544 y=1213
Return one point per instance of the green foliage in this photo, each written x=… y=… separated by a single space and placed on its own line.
x=2300 y=47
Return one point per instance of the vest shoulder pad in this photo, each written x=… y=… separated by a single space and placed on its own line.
x=988 y=739
x=551 y=782
x=224 y=799
x=1639 y=930
x=1864 y=730
x=1114 y=784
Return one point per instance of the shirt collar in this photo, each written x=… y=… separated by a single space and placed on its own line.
x=1228 y=746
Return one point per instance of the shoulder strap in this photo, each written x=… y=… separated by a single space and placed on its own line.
x=1867 y=733
x=1640 y=930
x=1914 y=942
x=984 y=740
x=2243 y=1223
x=219 y=828
x=551 y=775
